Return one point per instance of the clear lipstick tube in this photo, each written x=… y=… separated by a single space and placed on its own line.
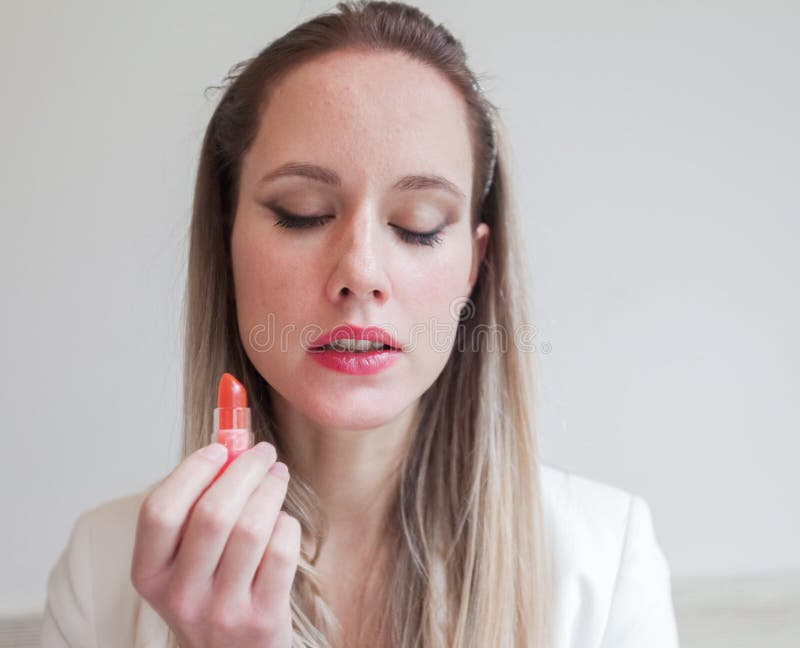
x=232 y=429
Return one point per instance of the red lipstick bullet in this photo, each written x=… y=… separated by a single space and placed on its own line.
x=232 y=419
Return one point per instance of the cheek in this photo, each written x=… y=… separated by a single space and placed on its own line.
x=432 y=295
x=269 y=282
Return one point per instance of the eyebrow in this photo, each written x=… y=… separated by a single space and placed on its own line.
x=329 y=177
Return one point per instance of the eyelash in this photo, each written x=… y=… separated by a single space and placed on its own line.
x=294 y=221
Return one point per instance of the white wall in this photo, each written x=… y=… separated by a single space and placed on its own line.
x=656 y=155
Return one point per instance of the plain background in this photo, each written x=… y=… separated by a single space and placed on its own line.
x=656 y=156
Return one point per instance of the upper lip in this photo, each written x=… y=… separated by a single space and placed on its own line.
x=355 y=332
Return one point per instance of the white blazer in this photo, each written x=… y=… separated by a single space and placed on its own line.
x=611 y=578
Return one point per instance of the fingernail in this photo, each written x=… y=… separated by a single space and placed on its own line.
x=215 y=451
x=280 y=469
x=265 y=448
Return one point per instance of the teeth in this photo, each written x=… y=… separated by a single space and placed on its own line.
x=355 y=345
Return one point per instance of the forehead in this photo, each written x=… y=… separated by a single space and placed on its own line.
x=367 y=114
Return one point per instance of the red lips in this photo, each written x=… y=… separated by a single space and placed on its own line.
x=354 y=332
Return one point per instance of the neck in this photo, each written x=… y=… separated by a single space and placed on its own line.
x=354 y=472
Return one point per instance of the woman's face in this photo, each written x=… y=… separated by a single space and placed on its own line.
x=369 y=120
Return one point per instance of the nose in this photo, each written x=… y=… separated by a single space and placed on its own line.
x=359 y=273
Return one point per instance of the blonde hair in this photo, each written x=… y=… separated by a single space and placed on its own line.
x=470 y=567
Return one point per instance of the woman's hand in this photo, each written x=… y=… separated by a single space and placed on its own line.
x=217 y=560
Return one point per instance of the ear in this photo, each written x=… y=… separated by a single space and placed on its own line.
x=480 y=239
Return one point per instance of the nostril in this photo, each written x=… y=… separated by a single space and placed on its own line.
x=375 y=292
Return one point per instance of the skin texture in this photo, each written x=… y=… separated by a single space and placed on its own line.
x=371 y=118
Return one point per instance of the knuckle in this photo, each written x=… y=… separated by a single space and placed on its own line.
x=281 y=557
x=226 y=619
x=283 y=553
x=157 y=515
x=181 y=606
x=250 y=530
x=268 y=624
x=209 y=517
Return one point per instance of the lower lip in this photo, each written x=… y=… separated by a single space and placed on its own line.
x=357 y=364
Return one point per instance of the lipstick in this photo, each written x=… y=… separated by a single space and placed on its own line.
x=360 y=361
x=232 y=419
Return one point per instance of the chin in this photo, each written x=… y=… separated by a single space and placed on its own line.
x=343 y=403
x=352 y=414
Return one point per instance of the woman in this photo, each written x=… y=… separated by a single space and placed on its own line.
x=351 y=176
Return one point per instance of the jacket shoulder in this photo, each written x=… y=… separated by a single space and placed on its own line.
x=90 y=598
x=585 y=522
x=611 y=579
x=579 y=504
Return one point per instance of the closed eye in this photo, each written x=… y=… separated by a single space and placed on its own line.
x=419 y=238
x=289 y=220
x=297 y=221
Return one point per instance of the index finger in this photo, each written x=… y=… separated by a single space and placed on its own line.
x=166 y=508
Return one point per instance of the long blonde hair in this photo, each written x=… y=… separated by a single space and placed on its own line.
x=470 y=567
